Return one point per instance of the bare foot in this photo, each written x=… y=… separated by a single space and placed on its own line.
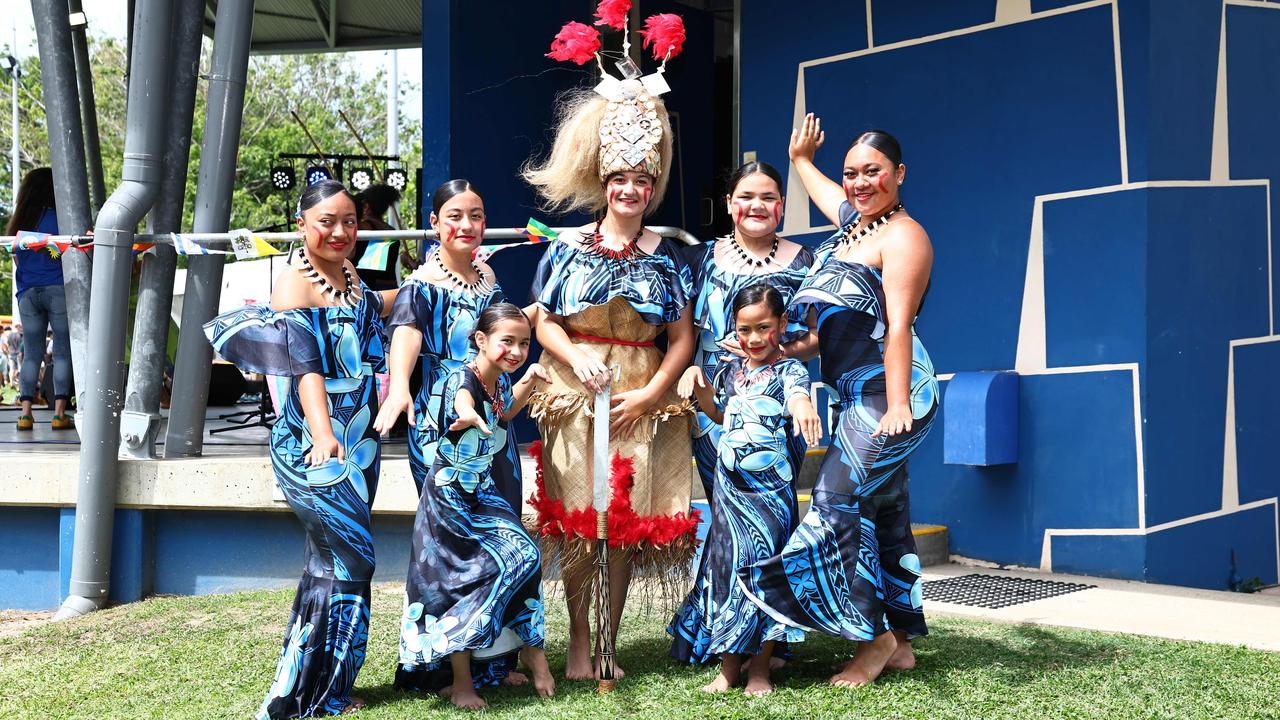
x=355 y=705
x=904 y=658
x=515 y=679
x=577 y=665
x=720 y=684
x=466 y=698
x=758 y=686
x=867 y=662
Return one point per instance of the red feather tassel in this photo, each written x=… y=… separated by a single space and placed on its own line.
x=576 y=42
x=665 y=33
x=613 y=13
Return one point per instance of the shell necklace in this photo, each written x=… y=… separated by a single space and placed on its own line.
x=347 y=297
x=473 y=287
x=855 y=237
x=751 y=260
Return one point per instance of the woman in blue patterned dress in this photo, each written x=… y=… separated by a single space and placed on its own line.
x=865 y=292
x=475 y=573
x=323 y=332
x=722 y=268
x=753 y=510
x=434 y=316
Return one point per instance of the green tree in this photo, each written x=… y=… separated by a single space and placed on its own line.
x=316 y=87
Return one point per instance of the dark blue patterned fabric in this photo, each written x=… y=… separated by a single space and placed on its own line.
x=324 y=644
x=475 y=575
x=716 y=288
x=753 y=511
x=657 y=285
x=447 y=320
x=850 y=568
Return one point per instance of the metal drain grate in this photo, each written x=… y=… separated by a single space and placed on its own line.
x=995 y=591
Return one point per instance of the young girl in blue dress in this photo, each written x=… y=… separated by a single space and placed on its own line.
x=762 y=403
x=475 y=575
x=323 y=332
x=753 y=253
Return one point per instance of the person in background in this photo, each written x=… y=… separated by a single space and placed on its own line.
x=4 y=354
x=42 y=304
x=373 y=203
x=15 y=353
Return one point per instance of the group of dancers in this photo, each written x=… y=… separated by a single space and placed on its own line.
x=728 y=401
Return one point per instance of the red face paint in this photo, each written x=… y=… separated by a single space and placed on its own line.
x=480 y=227
x=502 y=352
x=847 y=184
x=775 y=208
x=452 y=232
x=611 y=194
x=880 y=183
x=739 y=211
x=773 y=338
x=646 y=193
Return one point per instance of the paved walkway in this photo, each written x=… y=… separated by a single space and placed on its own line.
x=1131 y=607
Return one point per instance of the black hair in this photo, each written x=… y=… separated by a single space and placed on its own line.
x=379 y=197
x=880 y=140
x=315 y=194
x=752 y=168
x=447 y=191
x=755 y=294
x=35 y=194
x=494 y=314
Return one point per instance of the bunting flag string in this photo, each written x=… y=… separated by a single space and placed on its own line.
x=375 y=256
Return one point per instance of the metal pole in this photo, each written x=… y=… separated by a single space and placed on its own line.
x=15 y=164
x=393 y=105
x=113 y=261
x=70 y=186
x=230 y=62
x=141 y=419
x=88 y=107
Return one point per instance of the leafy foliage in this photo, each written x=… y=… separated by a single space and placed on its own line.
x=315 y=86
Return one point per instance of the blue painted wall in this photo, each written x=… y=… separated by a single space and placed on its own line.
x=1147 y=427
x=181 y=552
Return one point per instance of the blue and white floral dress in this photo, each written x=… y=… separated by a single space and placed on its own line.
x=447 y=319
x=753 y=511
x=850 y=569
x=324 y=644
x=475 y=576
x=715 y=288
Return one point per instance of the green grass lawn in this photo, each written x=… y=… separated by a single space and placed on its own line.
x=214 y=657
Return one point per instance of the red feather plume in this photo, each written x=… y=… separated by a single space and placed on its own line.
x=665 y=33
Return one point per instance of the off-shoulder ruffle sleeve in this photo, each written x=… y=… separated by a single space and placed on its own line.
x=291 y=342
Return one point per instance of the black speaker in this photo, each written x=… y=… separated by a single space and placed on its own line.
x=226 y=385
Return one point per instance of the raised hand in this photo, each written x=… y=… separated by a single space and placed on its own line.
x=806 y=139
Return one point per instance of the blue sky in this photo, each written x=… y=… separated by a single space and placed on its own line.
x=107 y=17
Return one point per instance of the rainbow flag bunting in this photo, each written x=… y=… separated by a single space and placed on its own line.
x=538 y=232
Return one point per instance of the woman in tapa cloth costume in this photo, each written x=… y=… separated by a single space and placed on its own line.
x=601 y=297
x=323 y=334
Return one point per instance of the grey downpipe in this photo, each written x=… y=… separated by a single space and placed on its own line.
x=141 y=419
x=229 y=69
x=113 y=240
x=88 y=107
x=70 y=186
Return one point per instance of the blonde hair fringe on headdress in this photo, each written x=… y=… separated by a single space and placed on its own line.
x=569 y=179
